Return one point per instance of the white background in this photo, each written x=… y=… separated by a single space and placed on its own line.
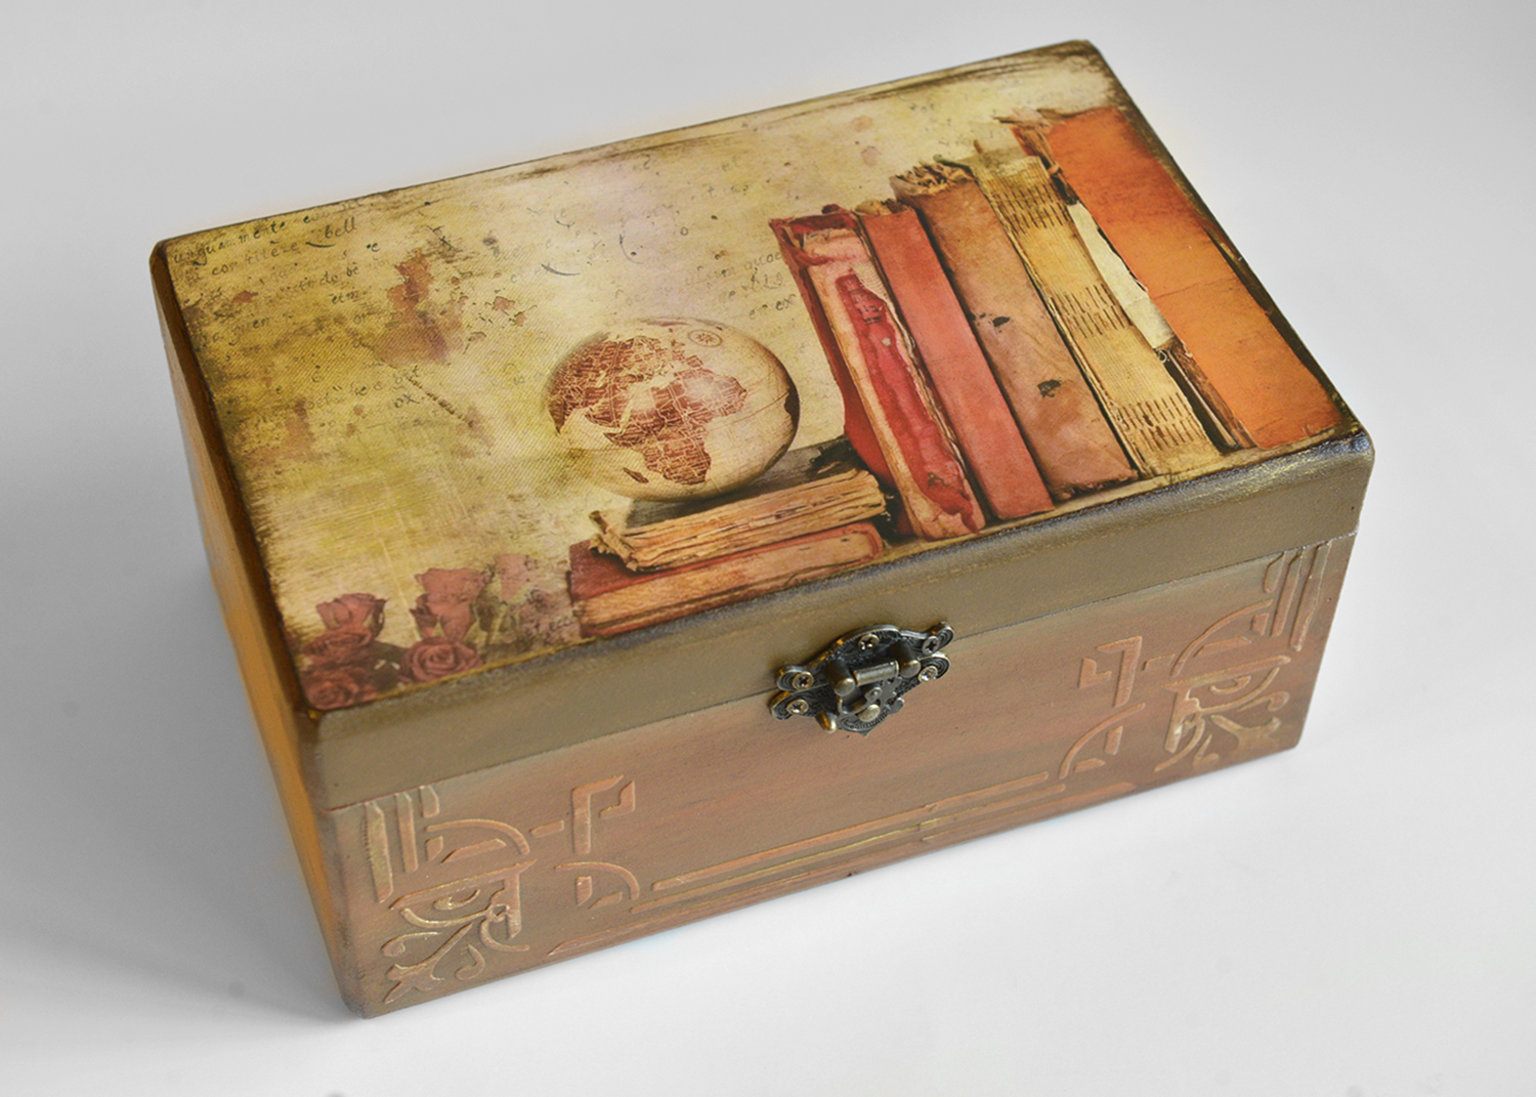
x=1355 y=918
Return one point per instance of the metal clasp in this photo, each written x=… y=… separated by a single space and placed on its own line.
x=858 y=680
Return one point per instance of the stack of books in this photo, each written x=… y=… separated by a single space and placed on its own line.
x=1044 y=320
x=809 y=516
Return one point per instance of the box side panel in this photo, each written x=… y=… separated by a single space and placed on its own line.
x=264 y=666
x=493 y=872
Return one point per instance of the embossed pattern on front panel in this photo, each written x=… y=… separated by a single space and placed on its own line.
x=451 y=884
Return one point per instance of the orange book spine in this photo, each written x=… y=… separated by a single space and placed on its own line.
x=989 y=438
x=1271 y=395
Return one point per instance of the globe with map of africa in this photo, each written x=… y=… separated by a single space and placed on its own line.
x=672 y=409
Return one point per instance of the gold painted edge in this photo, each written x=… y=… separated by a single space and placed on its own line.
x=250 y=615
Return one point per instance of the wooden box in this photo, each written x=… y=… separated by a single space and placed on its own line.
x=536 y=501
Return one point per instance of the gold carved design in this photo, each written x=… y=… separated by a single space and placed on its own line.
x=471 y=904
x=451 y=917
x=1223 y=679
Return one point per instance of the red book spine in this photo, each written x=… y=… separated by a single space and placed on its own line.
x=962 y=380
x=920 y=442
x=876 y=351
x=856 y=425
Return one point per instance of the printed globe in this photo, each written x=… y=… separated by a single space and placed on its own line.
x=672 y=409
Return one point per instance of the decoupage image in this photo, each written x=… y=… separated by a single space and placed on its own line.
x=482 y=420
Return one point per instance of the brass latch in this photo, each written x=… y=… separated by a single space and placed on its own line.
x=858 y=681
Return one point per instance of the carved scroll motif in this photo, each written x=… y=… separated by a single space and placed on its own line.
x=1227 y=677
x=456 y=886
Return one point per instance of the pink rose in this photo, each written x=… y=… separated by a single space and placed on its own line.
x=333 y=687
x=437 y=657
x=354 y=611
x=344 y=644
x=447 y=604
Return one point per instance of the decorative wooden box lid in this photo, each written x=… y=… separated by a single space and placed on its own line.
x=911 y=349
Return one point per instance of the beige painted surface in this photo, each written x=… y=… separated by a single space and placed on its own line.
x=377 y=366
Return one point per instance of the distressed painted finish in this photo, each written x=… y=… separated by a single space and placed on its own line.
x=377 y=368
x=388 y=511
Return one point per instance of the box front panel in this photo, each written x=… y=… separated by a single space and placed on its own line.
x=486 y=874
